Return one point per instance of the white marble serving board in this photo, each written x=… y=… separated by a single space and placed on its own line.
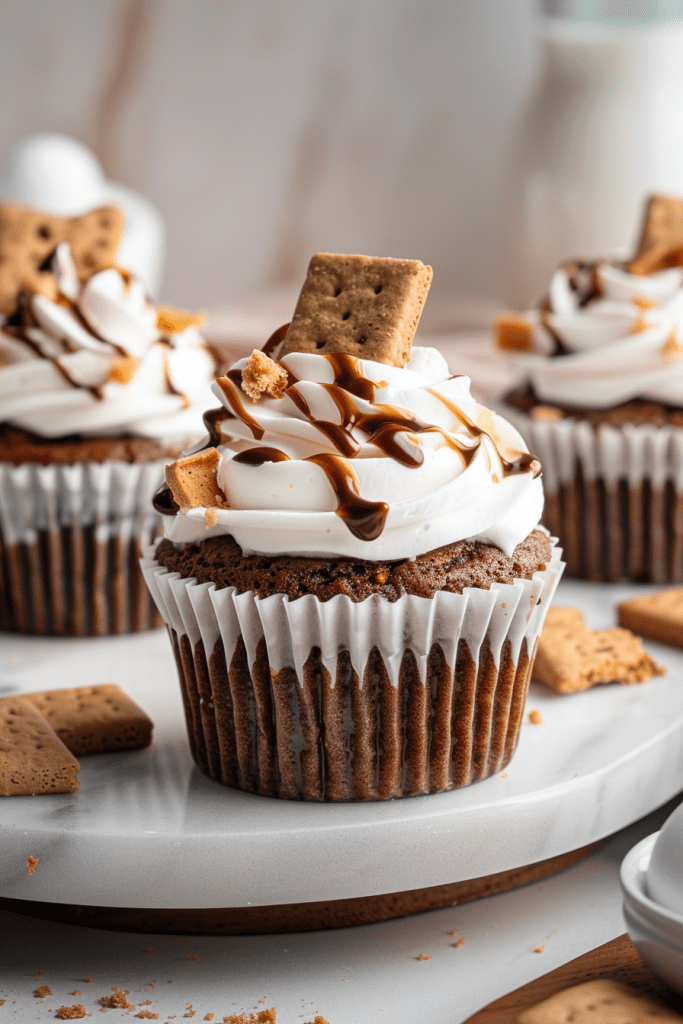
x=148 y=829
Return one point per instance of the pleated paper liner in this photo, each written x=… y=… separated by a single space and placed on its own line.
x=340 y=700
x=70 y=543
x=614 y=496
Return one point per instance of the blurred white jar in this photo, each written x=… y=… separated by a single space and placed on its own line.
x=602 y=129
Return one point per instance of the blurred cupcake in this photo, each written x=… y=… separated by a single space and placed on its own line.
x=600 y=399
x=98 y=391
x=353 y=578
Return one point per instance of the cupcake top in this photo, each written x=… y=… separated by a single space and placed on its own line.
x=607 y=332
x=82 y=349
x=328 y=454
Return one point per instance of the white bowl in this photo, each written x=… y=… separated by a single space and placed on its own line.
x=657 y=933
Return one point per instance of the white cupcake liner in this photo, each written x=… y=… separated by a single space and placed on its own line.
x=343 y=700
x=70 y=541
x=614 y=496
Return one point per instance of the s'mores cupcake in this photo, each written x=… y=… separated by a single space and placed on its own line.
x=599 y=397
x=98 y=391
x=353 y=576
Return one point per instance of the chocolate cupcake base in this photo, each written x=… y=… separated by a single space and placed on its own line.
x=70 y=543
x=344 y=700
x=613 y=495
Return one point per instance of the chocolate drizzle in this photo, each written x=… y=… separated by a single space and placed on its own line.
x=164 y=502
x=365 y=519
x=275 y=340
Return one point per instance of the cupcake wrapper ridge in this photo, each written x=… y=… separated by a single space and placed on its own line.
x=614 y=496
x=70 y=541
x=343 y=700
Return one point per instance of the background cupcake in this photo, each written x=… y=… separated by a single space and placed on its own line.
x=353 y=580
x=600 y=399
x=98 y=390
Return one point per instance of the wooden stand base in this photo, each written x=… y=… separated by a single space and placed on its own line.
x=295 y=917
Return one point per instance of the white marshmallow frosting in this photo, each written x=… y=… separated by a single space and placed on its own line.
x=459 y=473
x=625 y=343
x=94 y=362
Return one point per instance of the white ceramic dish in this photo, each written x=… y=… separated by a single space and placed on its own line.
x=147 y=829
x=656 y=932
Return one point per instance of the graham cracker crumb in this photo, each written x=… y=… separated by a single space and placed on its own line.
x=193 y=480
x=455 y=931
x=31 y=865
x=150 y=950
x=192 y=956
x=546 y=413
x=513 y=332
x=118 y=1000
x=459 y=944
x=671 y=350
x=123 y=370
x=88 y=978
x=43 y=991
x=208 y=1016
x=262 y=1017
x=76 y=992
x=535 y=717
x=539 y=949
x=147 y=1015
x=423 y=957
x=147 y=1002
x=211 y=517
x=261 y=375
x=504 y=775
x=190 y=1013
x=71 y=1012
x=39 y=975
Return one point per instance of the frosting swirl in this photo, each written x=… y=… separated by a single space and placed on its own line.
x=364 y=459
x=613 y=336
x=99 y=359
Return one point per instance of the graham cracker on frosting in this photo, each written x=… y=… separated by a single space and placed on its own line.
x=365 y=306
x=261 y=375
x=662 y=225
x=194 y=482
x=28 y=237
x=602 y=1001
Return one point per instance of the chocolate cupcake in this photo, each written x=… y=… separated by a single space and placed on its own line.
x=353 y=578
x=98 y=391
x=599 y=397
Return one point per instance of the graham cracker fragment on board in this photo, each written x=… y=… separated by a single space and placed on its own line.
x=193 y=480
x=28 y=237
x=513 y=332
x=74 y=1012
x=262 y=1017
x=31 y=865
x=573 y=657
x=602 y=1001
x=365 y=306
x=33 y=759
x=117 y=1000
x=94 y=719
x=261 y=375
x=662 y=225
x=657 y=616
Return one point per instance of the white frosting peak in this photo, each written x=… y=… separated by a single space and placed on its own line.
x=94 y=362
x=622 y=340
x=415 y=448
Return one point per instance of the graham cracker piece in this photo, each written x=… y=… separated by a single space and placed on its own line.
x=657 y=616
x=659 y=257
x=28 y=237
x=94 y=719
x=171 y=320
x=662 y=224
x=513 y=332
x=365 y=306
x=602 y=1001
x=573 y=657
x=261 y=375
x=33 y=759
x=193 y=480
x=74 y=1012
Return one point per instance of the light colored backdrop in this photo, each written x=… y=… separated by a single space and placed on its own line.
x=269 y=129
